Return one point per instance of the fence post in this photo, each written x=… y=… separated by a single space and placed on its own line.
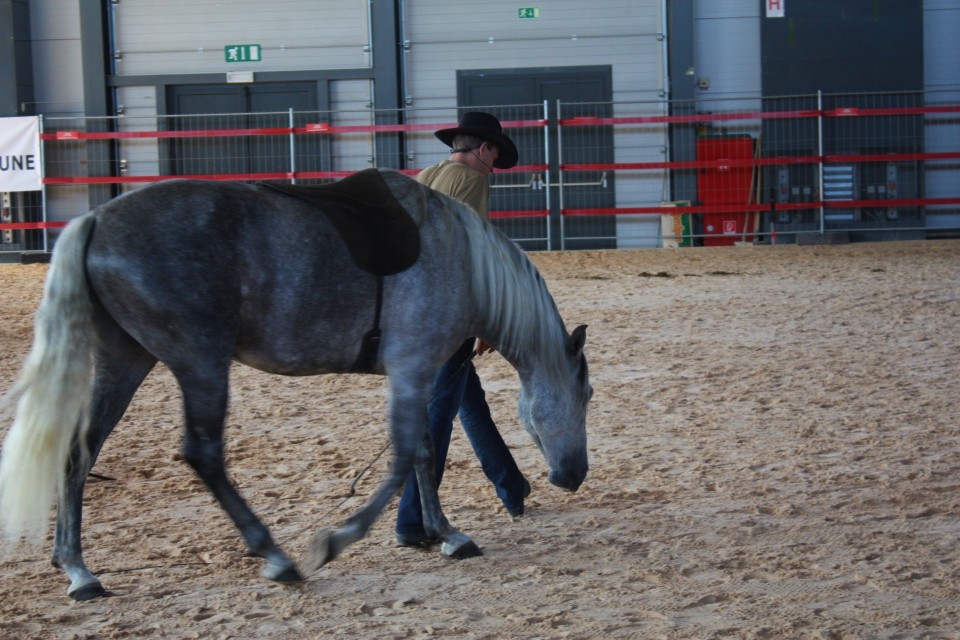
x=563 y=234
x=43 y=188
x=546 y=157
x=293 y=148
x=820 y=158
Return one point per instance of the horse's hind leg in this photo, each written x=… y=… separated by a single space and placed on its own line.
x=118 y=376
x=205 y=403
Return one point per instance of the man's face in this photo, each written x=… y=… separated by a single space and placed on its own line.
x=489 y=154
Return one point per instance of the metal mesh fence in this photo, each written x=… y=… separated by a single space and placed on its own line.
x=590 y=175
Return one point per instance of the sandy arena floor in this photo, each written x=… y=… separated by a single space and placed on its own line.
x=774 y=445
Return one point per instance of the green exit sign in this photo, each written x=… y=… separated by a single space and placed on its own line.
x=525 y=13
x=242 y=52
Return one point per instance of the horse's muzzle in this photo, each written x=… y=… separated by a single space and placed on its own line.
x=569 y=479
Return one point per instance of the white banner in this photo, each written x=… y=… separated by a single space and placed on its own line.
x=20 y=168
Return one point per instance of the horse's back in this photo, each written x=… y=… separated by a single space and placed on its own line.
x=231 y=270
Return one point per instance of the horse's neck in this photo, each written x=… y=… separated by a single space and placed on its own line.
x=528 y=330
x=512 y=308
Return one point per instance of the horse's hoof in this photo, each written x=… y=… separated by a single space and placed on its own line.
x=89 y=591
x=460 y=547
x=319 y=551
x=290 y=575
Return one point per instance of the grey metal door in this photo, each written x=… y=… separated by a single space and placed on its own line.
x=584 y=91
x=254 y=106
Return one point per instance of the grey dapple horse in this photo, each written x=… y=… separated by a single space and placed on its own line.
x=198 y=274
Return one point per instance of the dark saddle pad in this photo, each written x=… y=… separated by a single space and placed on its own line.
x=381 y=236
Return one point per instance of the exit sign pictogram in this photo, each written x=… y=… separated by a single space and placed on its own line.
x=242 y=52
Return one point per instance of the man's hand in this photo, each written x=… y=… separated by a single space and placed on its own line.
x=482 y=347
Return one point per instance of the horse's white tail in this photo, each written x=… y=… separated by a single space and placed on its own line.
x=52 y=394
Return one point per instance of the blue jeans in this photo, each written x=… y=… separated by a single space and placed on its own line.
x=457 y=390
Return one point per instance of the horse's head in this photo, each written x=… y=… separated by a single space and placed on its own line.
x=553 y=409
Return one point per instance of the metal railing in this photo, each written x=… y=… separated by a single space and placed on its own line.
x=591 y=175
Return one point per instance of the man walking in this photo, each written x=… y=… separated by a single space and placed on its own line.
x=477 y=146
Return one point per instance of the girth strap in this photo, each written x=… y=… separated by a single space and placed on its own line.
x=370 y=349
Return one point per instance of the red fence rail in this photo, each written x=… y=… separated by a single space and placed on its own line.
x=330 y=131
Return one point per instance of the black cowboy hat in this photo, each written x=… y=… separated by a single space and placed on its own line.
x=487 y=127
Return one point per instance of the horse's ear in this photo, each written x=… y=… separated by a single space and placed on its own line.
x=577 y=340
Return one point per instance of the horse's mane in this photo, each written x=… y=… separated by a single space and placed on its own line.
x=508 y=288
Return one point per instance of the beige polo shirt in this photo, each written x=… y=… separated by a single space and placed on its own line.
x=459 y=181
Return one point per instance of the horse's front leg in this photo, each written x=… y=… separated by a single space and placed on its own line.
x=447 y=394
x=454 y=543
x=408 y=419
x=327 y=544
